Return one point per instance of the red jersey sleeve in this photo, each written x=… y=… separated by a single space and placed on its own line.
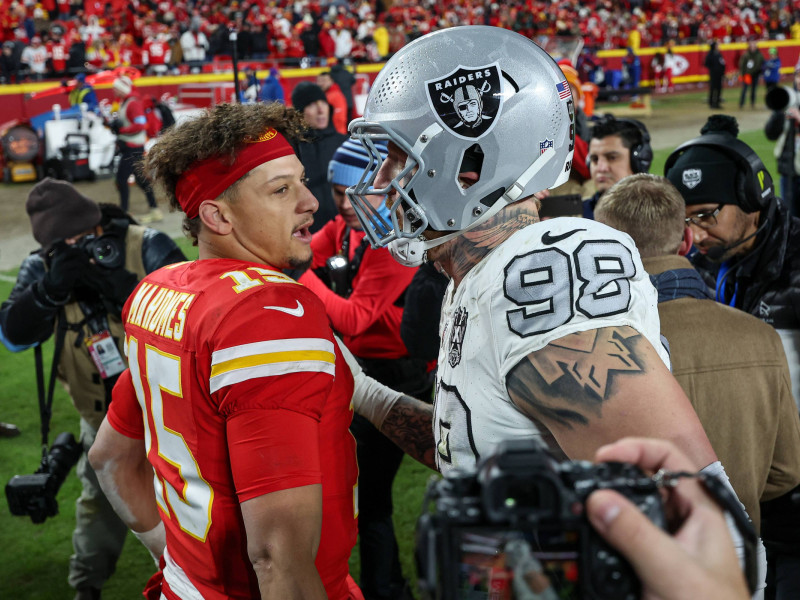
x=379 y=282
x=275 y=351
x=272 y=450
x=272 y=371
x=124 y=413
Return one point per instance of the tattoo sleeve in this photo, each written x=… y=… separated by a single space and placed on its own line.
x=409 y=425
x=566 y=383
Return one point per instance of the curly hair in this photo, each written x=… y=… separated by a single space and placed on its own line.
x=220 y=131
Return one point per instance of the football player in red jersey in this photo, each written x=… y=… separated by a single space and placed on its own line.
x=237 y=393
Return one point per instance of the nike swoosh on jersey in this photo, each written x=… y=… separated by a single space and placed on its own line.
x=548 y=239
x=299 y=311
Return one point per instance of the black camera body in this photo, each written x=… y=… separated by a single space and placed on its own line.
x=523 y=496
x=107 y=250
x=35 y=495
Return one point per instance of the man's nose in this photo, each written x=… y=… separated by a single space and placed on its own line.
x=700 y=234
x=308 y=202
x=383 y=177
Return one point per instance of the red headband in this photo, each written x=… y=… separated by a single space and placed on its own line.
x=207 y=179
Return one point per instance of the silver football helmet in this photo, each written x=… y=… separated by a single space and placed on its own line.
x=520 y=141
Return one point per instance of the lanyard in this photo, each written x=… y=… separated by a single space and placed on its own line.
x=722 y=275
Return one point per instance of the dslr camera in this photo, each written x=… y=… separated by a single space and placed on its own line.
x=521 y=518
x=35 y=495
x=107 y=250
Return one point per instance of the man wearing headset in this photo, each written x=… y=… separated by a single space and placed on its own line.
x=748 y=251
x=617 y=148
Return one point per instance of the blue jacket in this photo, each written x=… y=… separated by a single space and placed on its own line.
x=772 y=70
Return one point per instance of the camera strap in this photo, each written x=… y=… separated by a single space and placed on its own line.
x=358 y=254
x=731 y=505
x=46 y=403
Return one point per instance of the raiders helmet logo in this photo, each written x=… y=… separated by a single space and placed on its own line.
x=691 y=178
x=468 y=101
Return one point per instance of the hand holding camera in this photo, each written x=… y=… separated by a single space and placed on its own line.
x=639 y=524
x=698 y=559
x=67 y=264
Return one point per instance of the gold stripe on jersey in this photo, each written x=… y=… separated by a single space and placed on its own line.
x=271 y=358
x=160 y=310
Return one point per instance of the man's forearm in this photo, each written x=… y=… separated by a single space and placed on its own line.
x=409 y=425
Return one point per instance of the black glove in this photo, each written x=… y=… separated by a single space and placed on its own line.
x=115 y=126
x=67 y=264
x=112 y=285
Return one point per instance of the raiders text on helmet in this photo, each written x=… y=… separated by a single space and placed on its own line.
x=473 y=98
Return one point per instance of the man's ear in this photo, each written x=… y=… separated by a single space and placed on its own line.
x=688 y=239
x=214 y=216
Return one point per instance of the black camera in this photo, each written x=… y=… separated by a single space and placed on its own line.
x=107 y=250
x=35 y=495
x=521 y=515
x=339 y=274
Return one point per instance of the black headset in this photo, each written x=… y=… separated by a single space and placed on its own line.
x=754 y=188
x=641 y=153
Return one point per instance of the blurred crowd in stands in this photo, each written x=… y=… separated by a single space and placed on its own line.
x=54 y=38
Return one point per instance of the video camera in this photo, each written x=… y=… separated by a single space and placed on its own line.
x=522 y=513
x=35 y=495
x=782 y=97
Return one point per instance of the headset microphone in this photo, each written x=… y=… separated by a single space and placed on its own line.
x=716 y=252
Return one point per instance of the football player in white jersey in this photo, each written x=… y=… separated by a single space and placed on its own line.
x=549 y=329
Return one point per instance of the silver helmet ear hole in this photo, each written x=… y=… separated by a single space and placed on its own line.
x=477 y=211
x=451 y=222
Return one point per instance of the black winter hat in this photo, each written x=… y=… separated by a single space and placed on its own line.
x=305 y=93
x=58 y=211
x=704 y=175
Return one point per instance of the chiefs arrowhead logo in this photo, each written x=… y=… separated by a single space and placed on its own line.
x=467 y=101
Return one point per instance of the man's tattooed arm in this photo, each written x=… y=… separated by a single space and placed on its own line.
x=410 y=425
x=594 y=387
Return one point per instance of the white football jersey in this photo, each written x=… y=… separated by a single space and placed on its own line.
x=546 y=281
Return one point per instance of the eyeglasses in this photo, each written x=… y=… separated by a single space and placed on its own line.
x=704 y=220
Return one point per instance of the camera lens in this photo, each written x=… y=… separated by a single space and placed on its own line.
x=105 y=252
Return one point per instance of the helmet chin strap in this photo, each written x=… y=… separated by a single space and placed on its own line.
x=412 y=252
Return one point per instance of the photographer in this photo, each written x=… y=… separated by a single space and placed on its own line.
x=75 y=286
x=782 y=127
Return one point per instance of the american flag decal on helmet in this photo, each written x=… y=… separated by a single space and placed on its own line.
x=563 y=90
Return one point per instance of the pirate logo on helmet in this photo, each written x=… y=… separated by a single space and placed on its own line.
x=468 y=100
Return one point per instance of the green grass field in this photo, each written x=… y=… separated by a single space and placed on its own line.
x=36 y=557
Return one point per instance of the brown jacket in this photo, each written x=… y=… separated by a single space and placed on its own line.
x=733 y=369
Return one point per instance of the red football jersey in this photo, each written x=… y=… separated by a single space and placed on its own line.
x=156 y=52
x=59 y=53
x=244 y=393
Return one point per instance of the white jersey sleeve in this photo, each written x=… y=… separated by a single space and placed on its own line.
x=570 y=275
